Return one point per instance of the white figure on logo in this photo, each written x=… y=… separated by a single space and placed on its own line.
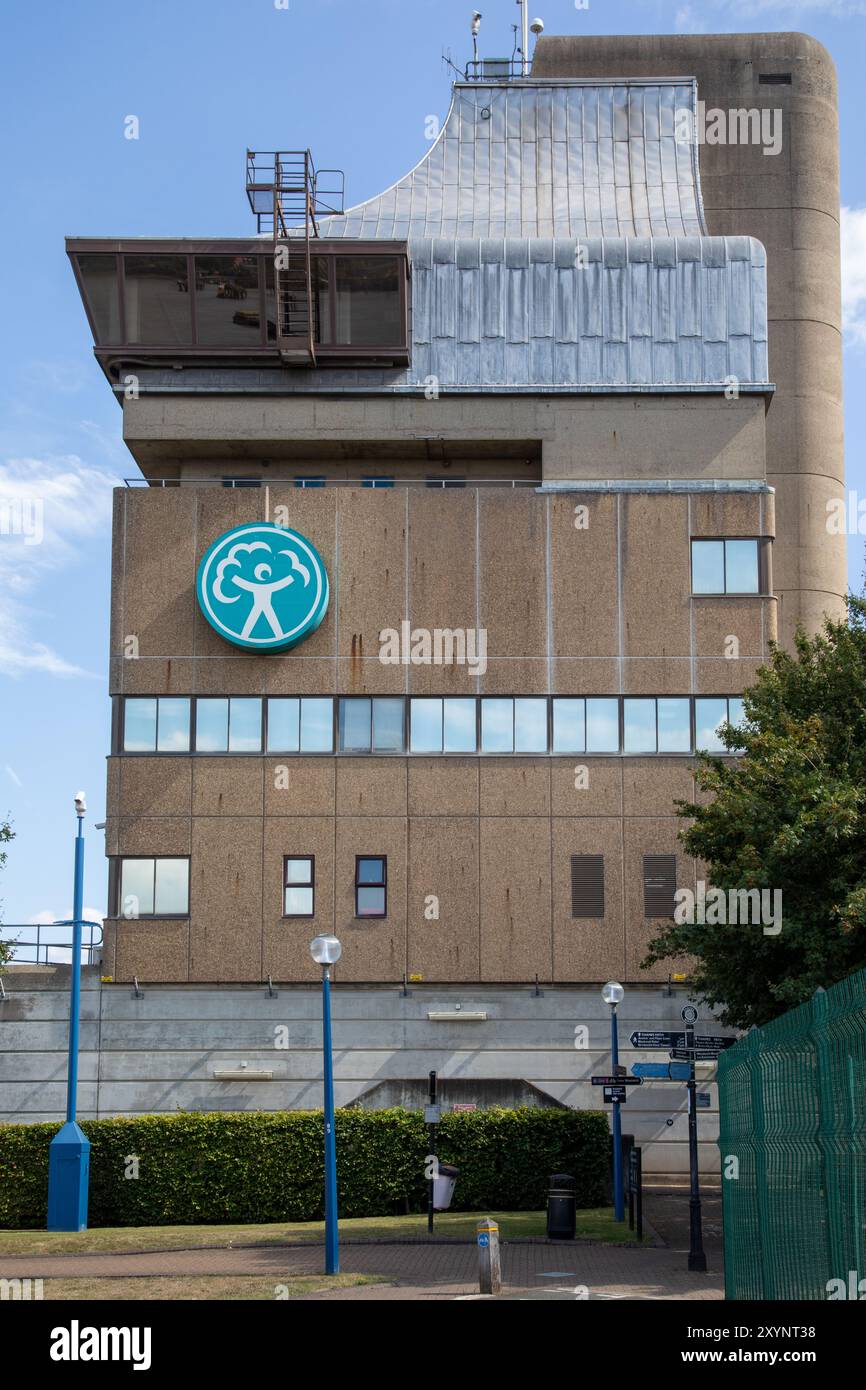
x=261 y=586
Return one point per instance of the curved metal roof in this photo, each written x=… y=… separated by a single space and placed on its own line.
x=547 y=159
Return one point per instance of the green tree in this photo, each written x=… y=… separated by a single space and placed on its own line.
x=6 y=834
x=789 y=814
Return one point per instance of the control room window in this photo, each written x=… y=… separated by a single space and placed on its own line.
x=304 y=725
x=725 y=567
x=299 y=886
x=368 y=301
x=371 y=886
x=443 y=725
x=99 y=274
x=227 y=306
x=228 y=725
x=157 y=300
x=153 y=888
x=371 y=725
x=710 y=714
x=377 y=481
x=156 y=725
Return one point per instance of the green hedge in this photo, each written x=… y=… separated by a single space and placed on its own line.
x=213 y=1168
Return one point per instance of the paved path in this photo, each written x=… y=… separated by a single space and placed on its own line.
x=417 y=1271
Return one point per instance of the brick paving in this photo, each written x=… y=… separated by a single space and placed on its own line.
x=530 y=1269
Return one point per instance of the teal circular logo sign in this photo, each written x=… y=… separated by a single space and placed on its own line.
x=263 y=587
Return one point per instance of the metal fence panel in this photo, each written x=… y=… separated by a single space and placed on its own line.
x=792 y=1135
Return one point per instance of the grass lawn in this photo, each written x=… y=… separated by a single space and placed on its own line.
x=199 y=1287
x=596 y=1224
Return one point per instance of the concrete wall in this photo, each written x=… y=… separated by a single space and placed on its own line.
x=158 y=1054
x=605 y=610
x=790 y=202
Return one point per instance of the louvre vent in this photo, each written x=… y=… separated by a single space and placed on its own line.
x=659 y=884
x=587 y=885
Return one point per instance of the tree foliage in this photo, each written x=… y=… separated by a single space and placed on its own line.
x=790 y=814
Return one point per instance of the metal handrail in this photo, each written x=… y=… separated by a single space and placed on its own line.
x=90 y=946
x=300 y=482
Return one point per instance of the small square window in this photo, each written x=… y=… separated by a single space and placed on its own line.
x=153 y=888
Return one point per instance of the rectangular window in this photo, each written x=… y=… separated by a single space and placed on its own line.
x=497 y=726
x=530 y=725
x=154 y=725
x=659 y=884
x=241 y=482
x=446 y=481
x=674 y=725
x=587 y=885
x=725 y=567
x=602 y=725
x=227 y=301
x=299 y=886
x=377 y=482
x=443 y=725
x=371 y=886
x=639 y=726
x=371 y=725
x=153 y=888
x=228 y=725
x=99 y=274
x=310 y=482
x=569 y=726
x=302 y=725
x=710 y=715
x=157 y=301
x=368 y=301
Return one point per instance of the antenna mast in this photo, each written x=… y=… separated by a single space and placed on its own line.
x=524 y=40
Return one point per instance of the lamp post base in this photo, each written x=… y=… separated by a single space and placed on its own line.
x=68 y=1173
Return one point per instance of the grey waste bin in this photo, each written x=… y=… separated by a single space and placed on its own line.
x=443 y=1186
x=561 y=1203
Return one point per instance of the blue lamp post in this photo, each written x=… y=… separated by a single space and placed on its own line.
x=326 y=951
x=69 y=1152
x=613 y=994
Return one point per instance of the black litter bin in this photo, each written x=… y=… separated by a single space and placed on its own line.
x=561 y=1204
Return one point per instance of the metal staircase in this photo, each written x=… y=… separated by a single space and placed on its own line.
x=288 y=195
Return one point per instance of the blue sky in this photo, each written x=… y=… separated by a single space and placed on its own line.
x=356 y=83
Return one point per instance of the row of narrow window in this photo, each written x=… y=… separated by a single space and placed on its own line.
x=159 y=887
x=421 y=724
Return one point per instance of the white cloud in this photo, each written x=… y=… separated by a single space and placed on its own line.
x=14 y=776
x=854 y=274
x=49 y=510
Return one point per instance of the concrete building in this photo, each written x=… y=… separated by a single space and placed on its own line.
x=550 y=427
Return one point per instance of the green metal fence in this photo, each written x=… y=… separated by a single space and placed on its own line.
x=792 y=1135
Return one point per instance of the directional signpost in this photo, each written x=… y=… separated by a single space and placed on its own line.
x=618 y=1080
x=684 y=1048
x=615 y=1095
x=661 y=1071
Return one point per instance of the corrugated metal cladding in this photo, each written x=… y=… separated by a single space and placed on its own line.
x=556 y=159
x=670 y=311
